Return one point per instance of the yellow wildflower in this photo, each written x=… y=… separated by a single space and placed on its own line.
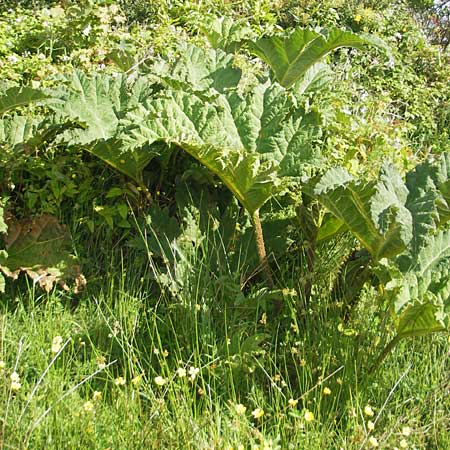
x=120 y=381
x=97 y=396
x=292 y=402
x=370 y=425
x=160 y=381
x=257 y=413
x=101 y=362
x=373 y=441
x=326 y=391
x=15 y=386
x=181 y=372
x=88 y=406
x=193 y=372
x=56 y=344
x=309 y=416
x=358 y=18
x=403 y=443
x=15 y=377
x=368 y=411
x=406 y=431
x=240 y=408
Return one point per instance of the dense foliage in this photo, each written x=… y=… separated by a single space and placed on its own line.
x=264 y=139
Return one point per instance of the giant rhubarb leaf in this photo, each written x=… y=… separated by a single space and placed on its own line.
x=291 y=55
x=41 y=248
x=199 y=70
x=418 y=287
x=249 y=140
x=374 y=212
x=15 y=97
x=226 y=33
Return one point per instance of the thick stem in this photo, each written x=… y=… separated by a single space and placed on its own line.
x=310 y=259
x=261 y=249
x=385 y=352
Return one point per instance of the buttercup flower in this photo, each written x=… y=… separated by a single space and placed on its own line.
x=56 y=344
x=193 y=372
x=292 y=402
x=370 y=425
x=257 y=413
x=101 y=362
x=88 y=406
x=368 y=411
x=15 y=386
x=137 y=379
x=240 y=408
x=406 y=431
x=373 y=441
x=309 y=416
x=326 y=391
x=15 y=377
x=160 y=381
x=120 y=381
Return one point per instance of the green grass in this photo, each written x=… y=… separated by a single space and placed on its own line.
x=140 y=335
x=113 y=380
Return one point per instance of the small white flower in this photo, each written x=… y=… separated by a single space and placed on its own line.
x=13 y=59
x=88 y=406
x=193 y=372
x=15 y=377
x=56 y=344
x=160 y=381
x=181 y=372
x=406 y=431
x=87 y=30
x=15 y=386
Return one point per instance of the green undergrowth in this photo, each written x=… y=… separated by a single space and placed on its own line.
x=126 y=367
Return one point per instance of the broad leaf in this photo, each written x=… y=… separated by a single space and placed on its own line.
x=226 y=33
x=41 y=248
x=249 y=140
x=199 y=70
x=292 y=54
x=374 y=212
x=93 y=103
x=3 y=226
x=207 y=132
x=419 y=287
x=15 y=97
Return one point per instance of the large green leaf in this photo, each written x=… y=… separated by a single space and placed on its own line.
x=291 y=55
x=248 y=139
x=388 y=215
x=199 y=70
x=16 y=130
x=226 y=33
x=93 y=103
x=41 y=248
x=209 y=133
x=374 y=212
x=15 y=97
x=418 y=287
